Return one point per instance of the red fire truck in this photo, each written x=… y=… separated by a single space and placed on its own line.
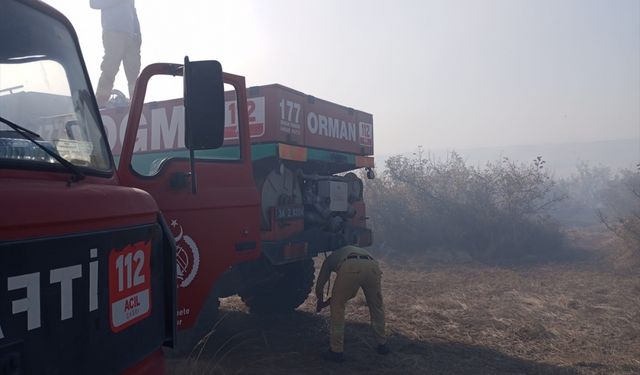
x=87 y=264
x=248 y=217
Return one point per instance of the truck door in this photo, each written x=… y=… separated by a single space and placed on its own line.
x=214 y=216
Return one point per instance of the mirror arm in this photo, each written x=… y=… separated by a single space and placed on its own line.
x=194 y=180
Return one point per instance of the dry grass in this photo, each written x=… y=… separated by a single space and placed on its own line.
x=569 y=318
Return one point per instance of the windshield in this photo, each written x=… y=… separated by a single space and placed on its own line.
x=43 y=89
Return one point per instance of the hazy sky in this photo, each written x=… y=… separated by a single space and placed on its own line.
x=442 y=74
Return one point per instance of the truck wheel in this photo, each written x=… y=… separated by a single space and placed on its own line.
x=188 y=341
x=285 y=294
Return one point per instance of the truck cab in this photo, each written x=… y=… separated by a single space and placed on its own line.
x=87 y=265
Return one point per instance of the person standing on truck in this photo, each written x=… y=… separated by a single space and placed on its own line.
x=121 y=39
x=355 y=268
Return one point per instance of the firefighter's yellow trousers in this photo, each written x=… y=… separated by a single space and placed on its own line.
x=355 y=274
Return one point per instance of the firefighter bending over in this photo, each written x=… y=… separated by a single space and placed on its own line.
x=355 y=268
x=121 y=39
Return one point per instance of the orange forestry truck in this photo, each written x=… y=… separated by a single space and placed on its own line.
x=87 y=263
x=249 y=216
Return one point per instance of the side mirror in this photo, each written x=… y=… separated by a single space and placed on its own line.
x=203 y=104
x=371 y=174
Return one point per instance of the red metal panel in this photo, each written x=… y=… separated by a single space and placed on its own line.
x=284 y=114
x=215 y=228
x=255 y=112
x=331 y=127
x=365 y=132
x=206 y=226
x=162 y=125
x=296 y=118
x=49 y=207
x=277 y=114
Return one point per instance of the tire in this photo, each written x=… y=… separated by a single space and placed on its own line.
x=188 y=340
x=285 y=294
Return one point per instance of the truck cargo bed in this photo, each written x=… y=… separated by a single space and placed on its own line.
x=292 y=117
x=277 y=115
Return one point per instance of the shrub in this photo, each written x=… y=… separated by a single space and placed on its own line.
x=621 y=209
x=584 y=190
x=494 y=212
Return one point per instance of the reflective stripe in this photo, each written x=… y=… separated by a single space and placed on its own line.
x=355 y=256
x=364 y=161
x=294 y=153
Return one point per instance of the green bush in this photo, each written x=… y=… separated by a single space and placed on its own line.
x=620 y=211
x=497 y=212
x=585 y=192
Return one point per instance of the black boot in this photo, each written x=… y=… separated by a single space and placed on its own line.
x=333 y=356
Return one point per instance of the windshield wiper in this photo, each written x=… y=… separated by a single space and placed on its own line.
x=77 y=174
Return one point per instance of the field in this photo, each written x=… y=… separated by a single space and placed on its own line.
x=453 y=317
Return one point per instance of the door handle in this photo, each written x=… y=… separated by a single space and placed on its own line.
x=246 y=245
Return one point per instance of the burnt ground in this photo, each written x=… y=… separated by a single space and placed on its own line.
x=579 y=317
